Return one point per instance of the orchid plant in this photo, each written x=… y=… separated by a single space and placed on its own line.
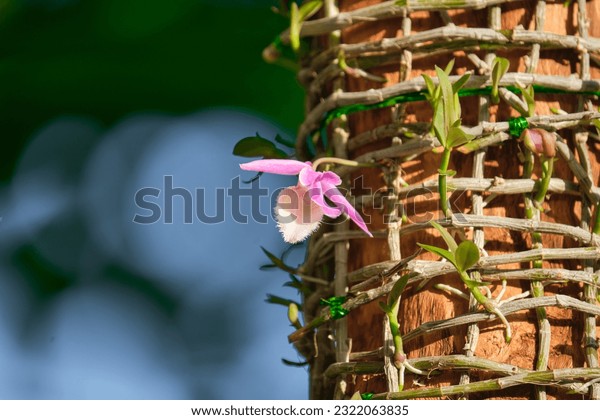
x=301 y=208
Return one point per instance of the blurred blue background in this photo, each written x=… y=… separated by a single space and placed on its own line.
x=98 y=99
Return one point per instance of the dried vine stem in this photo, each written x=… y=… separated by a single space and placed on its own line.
x=498 y=186
x=486 y=133
x=372 y=96
x=448 y=363
x=377 y=53
x=554 y=377
x=561 y=301
x=385 y=10
x=451 y=362
x=581 y=141
x=467 y=221
x=492 y=38
x=340 y=139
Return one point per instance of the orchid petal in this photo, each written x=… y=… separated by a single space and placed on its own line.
x=308 y=176
x=276 y=166
x=331 y=178
x=338 y=198
x=297 y=215
x=316 y=195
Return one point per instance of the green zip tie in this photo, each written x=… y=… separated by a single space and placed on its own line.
x=517 y=125
x=335 y=306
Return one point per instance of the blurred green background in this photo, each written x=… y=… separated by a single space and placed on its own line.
x=94 y=96
x=110 y=58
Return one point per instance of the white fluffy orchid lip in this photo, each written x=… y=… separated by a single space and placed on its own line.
x=297 y=215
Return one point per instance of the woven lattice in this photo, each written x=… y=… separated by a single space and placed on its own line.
x=398 y=137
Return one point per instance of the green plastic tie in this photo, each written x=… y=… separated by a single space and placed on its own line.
x=335 y=306
x=367 y=395
x=516 y=126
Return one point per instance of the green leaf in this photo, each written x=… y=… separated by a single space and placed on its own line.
x=556 y=111
x=294 y=364
x=499 y=68
x=528 y=94
x=439 y=127
x=397 y=290
x=254 y=178
x=456 y=86
x=596 y=124
x=472 y=283
x=452 y=245
x=449 y=67
x=449 y=172
x=457 y=137
x=431 y=88
x=295 y=25
x=257 y=147
x=297 y=17
x=444 y=253
x=277 y=262
x=278 y=300
x=383 y=307
x=467 y=255
x=447 y=102
x=295 y=283
x=308 y=9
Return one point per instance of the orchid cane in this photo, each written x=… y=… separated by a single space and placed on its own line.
x=300 y=209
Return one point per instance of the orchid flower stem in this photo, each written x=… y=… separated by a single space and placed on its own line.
x=547 y=169
x=339 y=161
x=443 y=188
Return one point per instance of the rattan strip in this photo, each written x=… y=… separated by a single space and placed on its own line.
x=553 y=377
x=382 y=52
x=340 y=137
x=373 y=96
x=382 y=11
x=472 y=337
x=536 y=287
x=487 y=133
x=581 y=138
x=449 y=363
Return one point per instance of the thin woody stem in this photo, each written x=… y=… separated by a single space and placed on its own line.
x=339 y=161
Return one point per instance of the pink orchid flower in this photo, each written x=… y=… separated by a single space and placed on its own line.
x=301 y=208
